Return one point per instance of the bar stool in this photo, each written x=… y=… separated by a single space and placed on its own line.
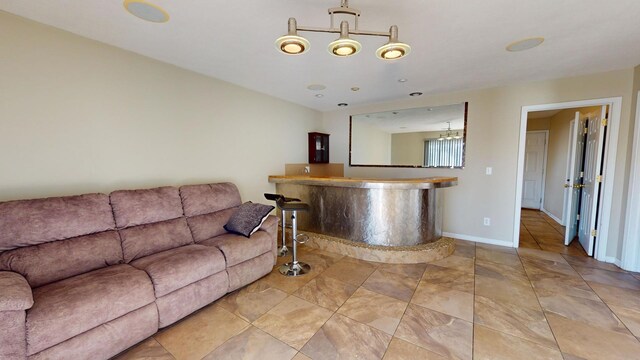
x=275 y=197
x=295 y=267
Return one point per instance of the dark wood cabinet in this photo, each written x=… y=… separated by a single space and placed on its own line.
x=318 y=148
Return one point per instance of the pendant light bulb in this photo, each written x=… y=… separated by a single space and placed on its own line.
x=292 y=43
x=393 y=49
x=344 y=46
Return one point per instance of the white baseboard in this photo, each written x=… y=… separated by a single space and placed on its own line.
x=555 y=218
x=613 y=260
x=478 y=239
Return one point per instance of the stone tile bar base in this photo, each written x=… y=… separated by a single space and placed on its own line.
x=423 y=253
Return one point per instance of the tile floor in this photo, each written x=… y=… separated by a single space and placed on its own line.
x=482 y=302
x=539 y=231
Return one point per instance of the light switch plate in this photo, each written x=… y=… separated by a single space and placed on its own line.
x=489 y=170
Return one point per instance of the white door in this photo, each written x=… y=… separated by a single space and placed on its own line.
x=534 y=158
x=572 y=186
x=590 y=183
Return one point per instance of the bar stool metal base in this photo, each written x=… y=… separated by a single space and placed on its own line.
x=294 y=269
x=283 y=251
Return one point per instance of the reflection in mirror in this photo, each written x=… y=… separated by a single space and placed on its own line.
x=420 y=137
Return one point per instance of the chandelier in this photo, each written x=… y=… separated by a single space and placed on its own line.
x=293 y=44
x=449 y=134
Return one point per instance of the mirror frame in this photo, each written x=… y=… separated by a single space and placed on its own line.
x=464 y=146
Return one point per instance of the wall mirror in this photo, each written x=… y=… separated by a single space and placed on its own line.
x=420 y=138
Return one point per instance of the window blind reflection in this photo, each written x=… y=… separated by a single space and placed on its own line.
x=443 y=153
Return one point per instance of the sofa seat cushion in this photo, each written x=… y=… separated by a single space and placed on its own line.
x=72 y=306
x=237 y=248
x=176 y=268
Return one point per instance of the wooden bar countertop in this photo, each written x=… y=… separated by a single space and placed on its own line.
x=368 y=183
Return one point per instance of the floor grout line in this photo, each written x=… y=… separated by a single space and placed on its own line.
x=544 y=313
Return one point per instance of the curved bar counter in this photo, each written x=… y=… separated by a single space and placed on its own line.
x=370 y=212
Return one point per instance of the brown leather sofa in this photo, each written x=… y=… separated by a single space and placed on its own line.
x=88 y=276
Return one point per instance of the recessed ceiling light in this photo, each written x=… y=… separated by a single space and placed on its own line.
x=417 y=93
x=316 y=87
x=355 y=88
x=402 y=80
x=318 y=95
x=146 y=11
x=525 y=44
x=343 y=104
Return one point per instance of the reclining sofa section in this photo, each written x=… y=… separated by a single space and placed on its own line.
x=88 y=276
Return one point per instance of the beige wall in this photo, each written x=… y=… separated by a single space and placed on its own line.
x=556 y=170
x=408 y=148
x=632 y=128
x=370 y=145
x=538 y=124
x=80 y=116
x=495 y=114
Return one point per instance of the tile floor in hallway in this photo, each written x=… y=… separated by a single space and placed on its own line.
x=539 y=231
x=482 y=302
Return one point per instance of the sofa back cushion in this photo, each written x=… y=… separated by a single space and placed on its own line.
x=149 y=221
x=139 y=207
x=32 y=222
x=140 y=241
x=51 y=239
x=206 y=226
x=209 y=198
x=46 y=263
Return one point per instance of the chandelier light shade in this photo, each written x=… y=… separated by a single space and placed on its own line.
x=293 y=44
x=344 y=46
x=393 y=49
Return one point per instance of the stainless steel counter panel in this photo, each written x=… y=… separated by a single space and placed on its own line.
x=423 y=183
x=376 y=216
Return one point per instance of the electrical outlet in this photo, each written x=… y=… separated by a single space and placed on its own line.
x=487 y=221
x=307 y=169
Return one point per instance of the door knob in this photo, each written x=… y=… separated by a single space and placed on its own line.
x=567 y=185
x=578 y=186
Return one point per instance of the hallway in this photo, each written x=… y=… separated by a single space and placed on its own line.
x=539 y=231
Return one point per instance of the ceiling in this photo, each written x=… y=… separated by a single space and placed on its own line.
x=436 y=118
x=542 y=114
x=456 y=44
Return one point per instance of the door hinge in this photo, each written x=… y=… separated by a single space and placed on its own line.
x=585 y=131
x=599 y=178
x=577 y=216
x=594 y=232
x=605 y=122
x=581 y=174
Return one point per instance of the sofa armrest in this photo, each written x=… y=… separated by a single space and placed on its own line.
x=270 y=226
x=15 y=292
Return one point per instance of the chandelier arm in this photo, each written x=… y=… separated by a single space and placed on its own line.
x=337 y=31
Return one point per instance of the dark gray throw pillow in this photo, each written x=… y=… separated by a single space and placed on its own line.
x=248 y=218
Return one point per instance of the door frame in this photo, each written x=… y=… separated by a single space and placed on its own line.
x=610 y=149
x=631 y=239
x=544 y=166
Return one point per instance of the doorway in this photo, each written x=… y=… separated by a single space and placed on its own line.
x=592 y=186
x=572 y=170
